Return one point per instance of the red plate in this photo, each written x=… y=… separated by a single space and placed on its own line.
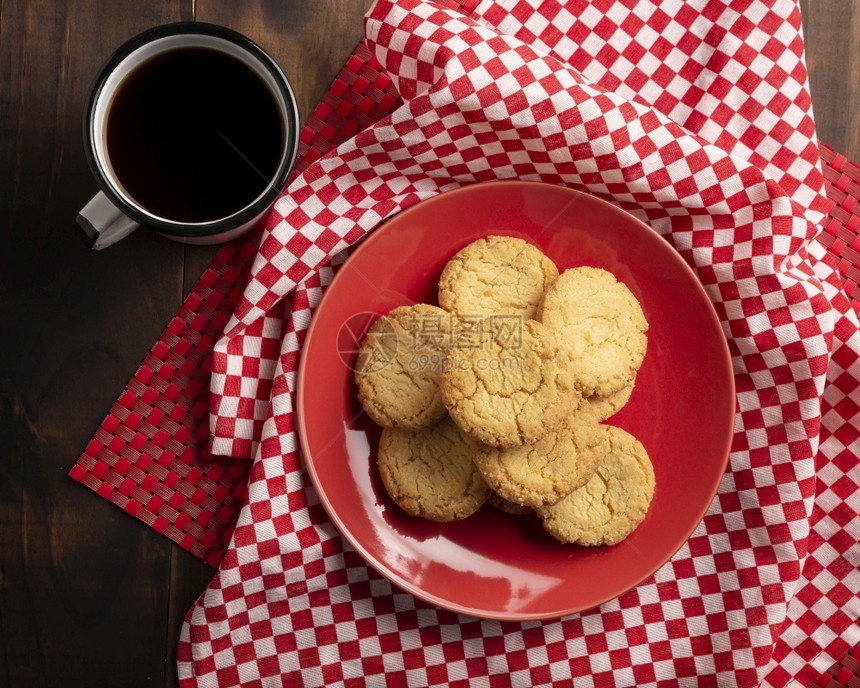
x=493 y=565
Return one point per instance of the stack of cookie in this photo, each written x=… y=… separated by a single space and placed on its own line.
x=500 y=394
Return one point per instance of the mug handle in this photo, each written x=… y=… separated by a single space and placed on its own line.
x=102 y=222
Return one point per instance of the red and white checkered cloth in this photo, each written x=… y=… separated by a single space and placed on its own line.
x=696 y=117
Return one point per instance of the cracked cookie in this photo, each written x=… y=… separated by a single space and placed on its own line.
x=398 y=367
x=430 y=472
x=507 y=388
x=608 y=406
x=613 y=503
x=499 y=274
x=601 y=326
x=542 y=473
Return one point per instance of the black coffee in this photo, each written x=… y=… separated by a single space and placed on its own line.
x=194 y=135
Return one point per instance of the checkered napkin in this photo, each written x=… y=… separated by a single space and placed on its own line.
x=696 y=117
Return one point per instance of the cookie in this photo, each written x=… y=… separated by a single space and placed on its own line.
x=504 y=387
x=600 y=324
x=502 y=504
x=540 y=474
x=398 y=367
x=613 y=503
x=430 y=473
x=498 y=274
x=608 y=406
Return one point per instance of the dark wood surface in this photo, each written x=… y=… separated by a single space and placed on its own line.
x=89 y=596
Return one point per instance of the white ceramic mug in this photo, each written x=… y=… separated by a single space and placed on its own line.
x=114 y=212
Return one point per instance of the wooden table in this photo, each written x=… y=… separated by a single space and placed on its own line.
x=89 y=596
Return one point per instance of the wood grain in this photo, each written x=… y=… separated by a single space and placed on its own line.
x=832 y=38
x=84 y=592
x=89 y=596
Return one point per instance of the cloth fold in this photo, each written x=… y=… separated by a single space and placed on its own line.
x=693 y=116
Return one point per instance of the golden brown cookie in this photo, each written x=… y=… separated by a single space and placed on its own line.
x=398 y=367
x=612 y=503
x=498 y=274
x=600 y=324
x=430 y=473
x=608 y=406
x=507 y=388
x=544 y=472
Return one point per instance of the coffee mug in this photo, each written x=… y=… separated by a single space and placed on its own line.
x=190 y=129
